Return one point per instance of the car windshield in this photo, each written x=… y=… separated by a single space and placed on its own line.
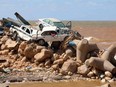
x=59 y=24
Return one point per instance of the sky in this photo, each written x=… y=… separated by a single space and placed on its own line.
x=60 y=9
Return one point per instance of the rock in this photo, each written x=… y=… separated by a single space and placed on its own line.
x=83 y=69
x=39 y=48
x=59 y=61
x=4 y=39
x=10 y=44
x=3 y=46
x=22 y=47
x=70 y=51
x=107 y=78
x=32 y=49
x=69 y=66
x=55 y=67
x=43 y=55
x=96 y=71
x=4 y=52
x=65 y=57
x=108 y=74
x=66 y=77
x=55 y=57
x=103 y=80
x=29 y=51
x=47 y=62
x=110 y=81
x=57 y=77
x=90 y=74
x=41 y=65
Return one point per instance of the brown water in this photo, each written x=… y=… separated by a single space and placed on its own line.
x=62 y=84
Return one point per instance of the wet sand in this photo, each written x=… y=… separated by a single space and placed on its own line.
x=62 y=84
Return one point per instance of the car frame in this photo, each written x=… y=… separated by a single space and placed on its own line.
x=47 y=22
x=28 y=33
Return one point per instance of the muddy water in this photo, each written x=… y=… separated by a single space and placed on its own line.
x=62 y=84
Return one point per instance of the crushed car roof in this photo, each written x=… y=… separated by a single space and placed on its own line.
x=52 y=19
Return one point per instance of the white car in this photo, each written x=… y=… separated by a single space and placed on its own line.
x=47 y=22
x=47 y=34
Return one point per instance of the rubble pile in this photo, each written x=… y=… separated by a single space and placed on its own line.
x=83 y=58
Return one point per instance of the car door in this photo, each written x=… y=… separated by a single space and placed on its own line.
x=69 y=24
x=26 y=35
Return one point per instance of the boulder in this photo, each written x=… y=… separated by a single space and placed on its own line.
x=22 y=46
x=43 y=55
x=69 y=66
x=83 y=69
x=31 y=50
x=4 y=39
x=10 y=44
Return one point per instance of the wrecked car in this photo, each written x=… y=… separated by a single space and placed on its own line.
x=46 y=22
x=48 y=34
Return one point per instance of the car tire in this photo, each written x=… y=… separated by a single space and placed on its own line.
x=18 y=39
x=41 y=42
x=14 y=36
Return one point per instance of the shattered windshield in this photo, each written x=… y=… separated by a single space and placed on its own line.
x=59 y=24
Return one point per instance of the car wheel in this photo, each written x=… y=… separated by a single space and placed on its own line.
x=41 y=42
x=14 y=36
x=18 y=39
